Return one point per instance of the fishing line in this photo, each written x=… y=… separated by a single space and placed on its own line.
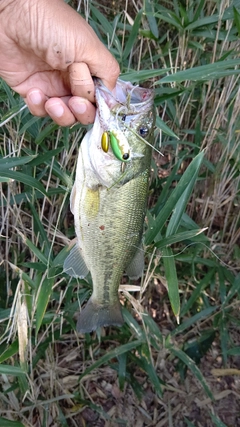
x=183 y=250
x=203 y=244
x=143 y=140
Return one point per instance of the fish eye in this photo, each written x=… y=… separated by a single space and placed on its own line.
x=143 y=131
x=125 y=156
x=124 y=117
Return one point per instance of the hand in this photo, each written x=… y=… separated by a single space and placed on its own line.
x=48 y=54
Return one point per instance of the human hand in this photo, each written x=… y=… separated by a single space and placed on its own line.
x=48 y=54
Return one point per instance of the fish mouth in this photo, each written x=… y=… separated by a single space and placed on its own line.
x=126 y=98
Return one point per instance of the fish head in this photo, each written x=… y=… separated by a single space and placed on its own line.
x=125 y=116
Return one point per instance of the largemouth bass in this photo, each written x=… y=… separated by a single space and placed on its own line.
x=108 y=199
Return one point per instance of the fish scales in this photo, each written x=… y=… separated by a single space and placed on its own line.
x=108 y=202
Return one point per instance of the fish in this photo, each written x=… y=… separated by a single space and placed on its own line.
x=109 y=199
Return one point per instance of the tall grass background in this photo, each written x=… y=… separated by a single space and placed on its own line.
x=175 y=362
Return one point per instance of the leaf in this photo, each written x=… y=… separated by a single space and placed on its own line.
x=11 y=370
x=172 y=281
x=151 y=18
x=162 y=125
x=47 y=130
x=233 y=290
x=189 y=424
x=176 y=238
x=25 y=179
x=122 y=362
x=196 y=293
x=10 y=351
x=5 y=179
x=147 y=365
x=193 y=367
x=112 y=354
x=11 y=162
x=38 y=228
x=139 y=76
x=34 y=249
x=217 y=421
x=171 y=19
x=42 y=300
x=132 y=36
x=203 y=72
x=29 y=123
x=185 y=182
x=235 y=351
x=8 y=423
x=107 y=27
x=236 y=19
x=181 y=206
x=192 y=320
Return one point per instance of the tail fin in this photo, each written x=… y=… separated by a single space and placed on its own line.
x=95 y=315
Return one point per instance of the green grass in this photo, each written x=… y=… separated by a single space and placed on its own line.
x=184 y=319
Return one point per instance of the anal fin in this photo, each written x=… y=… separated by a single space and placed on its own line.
x=136 y=266
x=74 y=265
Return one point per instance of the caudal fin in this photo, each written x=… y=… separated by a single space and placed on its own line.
x=96 y=315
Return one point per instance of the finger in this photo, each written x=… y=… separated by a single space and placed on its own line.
x=103 y=65
x=81 y=81
x=58 y=110
x=82 y=109
x=35 y=101
x=108 y=72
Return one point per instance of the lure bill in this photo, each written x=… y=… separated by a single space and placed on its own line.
x=109 y=202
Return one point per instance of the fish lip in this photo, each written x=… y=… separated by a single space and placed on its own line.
x=114 y=99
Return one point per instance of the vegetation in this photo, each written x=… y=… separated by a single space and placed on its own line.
x=175 y=362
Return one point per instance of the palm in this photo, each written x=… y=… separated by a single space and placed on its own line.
x=23 y=70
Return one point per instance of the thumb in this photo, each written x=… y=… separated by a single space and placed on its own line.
x=81 y=81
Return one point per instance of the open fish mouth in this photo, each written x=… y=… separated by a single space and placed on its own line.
x=126 y=98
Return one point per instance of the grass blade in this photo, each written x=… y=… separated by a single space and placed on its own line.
x=151 y=18
x=176 y=238
x=203 y=72
x=183 y=184
x=162 y=125
x=25 y=179
x=193 y=367
x=133 y=35
x=11 y=162
x=172 y=280
x=8 y=423
x=11 y=370
x=112 y=354
x=42 y=301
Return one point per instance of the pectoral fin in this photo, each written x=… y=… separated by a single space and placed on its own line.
x=136 y=266
x=72 y=198
x=74 y=264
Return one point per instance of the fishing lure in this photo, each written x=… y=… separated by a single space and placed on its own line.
x=118 y=143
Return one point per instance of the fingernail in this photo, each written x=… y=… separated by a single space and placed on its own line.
x=35 y=97
x=55 y=110
x=79 y=108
